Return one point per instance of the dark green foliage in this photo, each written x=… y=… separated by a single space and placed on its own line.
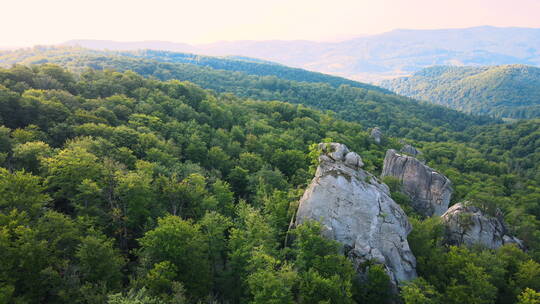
x=375 y=287
x=509 y=91
x=327 y=275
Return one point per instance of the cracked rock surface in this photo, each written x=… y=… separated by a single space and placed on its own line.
x=468 y=225
x=355 y=209
x=429 y=190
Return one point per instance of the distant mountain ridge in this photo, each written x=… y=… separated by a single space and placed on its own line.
x=506 y=91
x=376 y=57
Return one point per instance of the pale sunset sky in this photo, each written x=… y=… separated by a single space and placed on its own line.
x=30 y=22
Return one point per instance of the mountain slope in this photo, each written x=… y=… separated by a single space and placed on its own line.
x=395 y=114
x=251 y=66
x=509 y=91
x=115 y=188
x=376 y=57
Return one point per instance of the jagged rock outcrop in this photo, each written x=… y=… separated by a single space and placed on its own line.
x=429 y=190
x=468 y=225
x=377 y=134
x=355 y=209
x=410 y=150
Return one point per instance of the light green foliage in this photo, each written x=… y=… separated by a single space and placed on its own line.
x=270 y=282
x=22 y=191
x=183 y=244
x=529 y=296
x=393 y=183
x=161 y=282
x=140 y=296
x=68 y=169
x=419 y=292
x=30 y=154
x=159 y=279
x=527 y=275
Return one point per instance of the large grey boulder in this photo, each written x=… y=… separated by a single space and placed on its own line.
x=377 y=134
x=468 y=225
x=408 y=149
x=429 y=190
x=355 y=209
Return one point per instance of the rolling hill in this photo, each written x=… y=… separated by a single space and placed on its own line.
x=506 y=91
x=369 y=105
x=251 y=66
x=375 y=57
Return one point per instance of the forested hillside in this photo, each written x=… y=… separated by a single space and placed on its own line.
x=395 y=114
x=508 y=91
x=373 y=57
x=116 y=188
x=250 y=66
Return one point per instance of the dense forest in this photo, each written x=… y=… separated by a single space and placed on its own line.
x=506 y=91
x=116 y=188
x=247 y=65
x=398 y=115
x=250 y=66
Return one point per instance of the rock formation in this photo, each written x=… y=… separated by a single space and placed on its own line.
x=377 y=135
x=429 y=190
x=468 y=225
x=410 y=150
x=355 y=209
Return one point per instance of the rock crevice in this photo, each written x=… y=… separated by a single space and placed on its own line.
x=430 y=191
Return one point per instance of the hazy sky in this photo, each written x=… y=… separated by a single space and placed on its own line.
x=29 y=22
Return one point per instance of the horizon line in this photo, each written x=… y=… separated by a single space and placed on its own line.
x=329 y=40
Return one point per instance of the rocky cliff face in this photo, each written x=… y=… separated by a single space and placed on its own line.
x=356 y=210
x=429 y=190
x=468 y=225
